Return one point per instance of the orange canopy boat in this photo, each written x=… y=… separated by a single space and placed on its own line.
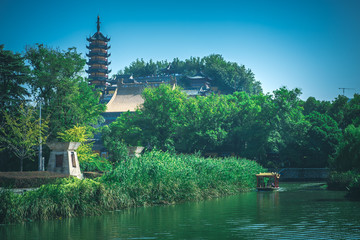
x=267 y=181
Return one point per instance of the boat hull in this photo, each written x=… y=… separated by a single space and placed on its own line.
x=267 y=189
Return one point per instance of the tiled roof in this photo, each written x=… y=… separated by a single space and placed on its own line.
x=126 y=99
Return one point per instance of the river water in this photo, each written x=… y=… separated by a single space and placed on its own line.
x=297 y=211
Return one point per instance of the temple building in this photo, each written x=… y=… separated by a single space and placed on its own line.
x=98 y=58
x=198 y=81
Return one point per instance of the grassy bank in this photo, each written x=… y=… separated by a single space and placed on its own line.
x=154 y=178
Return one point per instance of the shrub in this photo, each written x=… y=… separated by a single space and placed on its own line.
x=341 y=180
x=354 y=189
x=95 y=163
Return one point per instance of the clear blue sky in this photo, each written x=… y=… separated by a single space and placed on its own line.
x=310 y=44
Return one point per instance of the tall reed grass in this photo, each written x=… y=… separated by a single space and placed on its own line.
x=154 y=178
x=68 y=197
x=159 y=177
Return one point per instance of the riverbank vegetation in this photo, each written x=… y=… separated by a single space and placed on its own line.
x=346 y=181
x=347 y=163
x=277 y=130
x=154 y=178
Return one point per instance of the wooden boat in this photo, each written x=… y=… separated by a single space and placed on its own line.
x=267 y=181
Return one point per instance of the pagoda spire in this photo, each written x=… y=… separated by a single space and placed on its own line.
x=98 y=58
x=98 y=24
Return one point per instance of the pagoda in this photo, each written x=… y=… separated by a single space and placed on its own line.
x=98 y=58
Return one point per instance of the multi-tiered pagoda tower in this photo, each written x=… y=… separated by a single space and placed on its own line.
x=98 y=58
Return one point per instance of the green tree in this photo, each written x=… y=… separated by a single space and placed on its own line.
x=127 y=130
x=161 y=114
x=347 y=156
x=82 y=135
x=323 y=137
x=154 y=125
x=338 y=109
x=250 y=127
x=13 y=77
x=203 y=125
x=289 y=127
x=140 y=68
x=228 y=76
x=114 y=142
x=311 y=105
x=352 y=116
x=128 y=126
x=68 y=99
x=21 y=132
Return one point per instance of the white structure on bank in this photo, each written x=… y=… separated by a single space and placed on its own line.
x=135 y=151
x=63 y=158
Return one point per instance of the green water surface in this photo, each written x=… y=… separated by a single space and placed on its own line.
x=297 y=211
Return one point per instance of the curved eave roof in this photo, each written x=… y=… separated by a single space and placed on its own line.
x=98 y=36
x=100 y=62
x=199 y=78
x=97 y=46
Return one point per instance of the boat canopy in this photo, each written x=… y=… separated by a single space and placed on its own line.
x=268 y=175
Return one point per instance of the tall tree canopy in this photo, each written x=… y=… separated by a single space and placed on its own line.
x=56 y=81
x=347 y=156
x=13 y=77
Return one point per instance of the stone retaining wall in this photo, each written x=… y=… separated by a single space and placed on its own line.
x=302 y=174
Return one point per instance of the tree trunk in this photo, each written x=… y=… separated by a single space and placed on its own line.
x=21 y=164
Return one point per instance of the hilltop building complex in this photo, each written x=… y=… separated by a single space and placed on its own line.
x=122 y=93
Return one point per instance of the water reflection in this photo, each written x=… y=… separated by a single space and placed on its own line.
x=295 y=213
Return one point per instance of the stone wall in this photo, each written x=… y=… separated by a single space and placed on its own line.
x=302 y=174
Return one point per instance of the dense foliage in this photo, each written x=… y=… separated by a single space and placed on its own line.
x=56 y=81
x=50 y=78
x=13 y=76
x=228 y=76
x=276 y=129
x=154 y=178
